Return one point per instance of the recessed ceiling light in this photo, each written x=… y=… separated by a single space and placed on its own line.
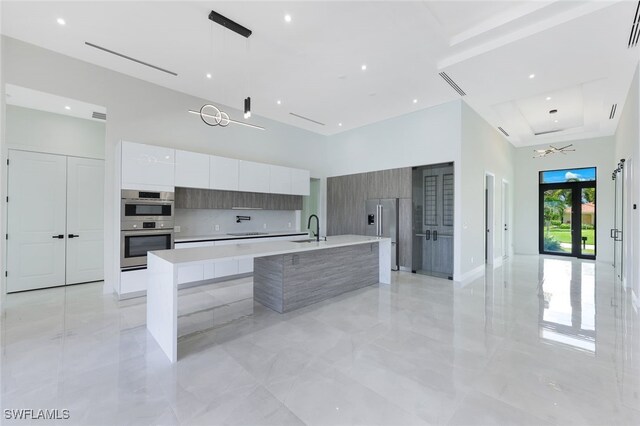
x=287 y=18
x=548 y=98
x=532 y=76
x=363 y=67
x=555 y=121
x=67 y=107
x=339 y=124
x=415 y=101
x=61 y=21
x=209 y=75
x=279 y=102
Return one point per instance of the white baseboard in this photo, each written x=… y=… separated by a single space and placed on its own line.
x=472 y=274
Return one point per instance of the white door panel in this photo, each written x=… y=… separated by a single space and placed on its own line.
x=36 y=213
x=85 y=220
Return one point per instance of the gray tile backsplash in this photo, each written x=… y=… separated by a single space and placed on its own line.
x=202 y=222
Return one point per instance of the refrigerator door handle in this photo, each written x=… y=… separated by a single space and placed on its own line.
x=427 y=234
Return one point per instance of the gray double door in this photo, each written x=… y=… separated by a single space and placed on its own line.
x=433 y=215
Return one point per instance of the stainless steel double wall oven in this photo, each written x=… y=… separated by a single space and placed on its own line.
x=146 y=224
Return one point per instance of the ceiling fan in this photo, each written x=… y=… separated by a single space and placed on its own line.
x=552 y=150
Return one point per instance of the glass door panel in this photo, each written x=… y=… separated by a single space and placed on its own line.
x=558 y=214
x=588 y=219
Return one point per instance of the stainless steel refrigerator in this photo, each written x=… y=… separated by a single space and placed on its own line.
x=382 y=221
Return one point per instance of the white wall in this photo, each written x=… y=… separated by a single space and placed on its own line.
x=483 y=150
x=627 y=146
x=597 y=152
x=428 y=136
x=143 y=112
x=41 y=131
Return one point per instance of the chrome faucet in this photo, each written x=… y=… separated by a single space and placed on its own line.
x=317 y=233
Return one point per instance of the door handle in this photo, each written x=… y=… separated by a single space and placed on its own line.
x=435 y=235
x=427 y=234
x=618 y=233
x=73 y=236
x=59 y=236
x=612 y=233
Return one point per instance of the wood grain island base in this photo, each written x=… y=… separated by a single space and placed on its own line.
x=287 y=275
x=291 y=281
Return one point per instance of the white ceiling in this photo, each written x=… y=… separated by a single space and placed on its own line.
x=577 y=50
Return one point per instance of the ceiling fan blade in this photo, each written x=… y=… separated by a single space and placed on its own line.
x=565 y=147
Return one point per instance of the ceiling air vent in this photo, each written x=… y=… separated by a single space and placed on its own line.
x=503 y=131
x=612 y=114
x=548 y=131
x=306 y=118
x=138 y=61
x=635 y=29
x=452 y=83
x=99 y=115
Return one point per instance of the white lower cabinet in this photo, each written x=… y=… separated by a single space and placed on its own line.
x=224 y=268
x=132 y=282
x=190 y=273
x=245 y=265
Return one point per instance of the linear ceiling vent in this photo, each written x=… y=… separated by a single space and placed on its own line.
x=503 y=131
x=104 y=49
x=548 y=131
x=306 y=118
x=99 y=115
x=635 y=28
x=612 y=114
x=452 y=83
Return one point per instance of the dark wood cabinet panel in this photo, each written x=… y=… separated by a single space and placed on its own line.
x=405 y=233
x=346 y=197
x=191 y=198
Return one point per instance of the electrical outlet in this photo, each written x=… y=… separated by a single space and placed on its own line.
x=216 y=227
x=471 y=259
x=176 y=228
x=264 y=226
x=289 y=225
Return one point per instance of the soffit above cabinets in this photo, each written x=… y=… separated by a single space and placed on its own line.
x=313 y=64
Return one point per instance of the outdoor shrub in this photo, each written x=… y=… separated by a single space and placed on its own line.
x=551 y=244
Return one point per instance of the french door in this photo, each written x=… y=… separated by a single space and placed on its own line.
x=568 y=219
x=54 y=220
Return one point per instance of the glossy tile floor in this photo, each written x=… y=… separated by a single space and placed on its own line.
x=537 y=341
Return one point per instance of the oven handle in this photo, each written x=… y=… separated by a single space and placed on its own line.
x=128 y=233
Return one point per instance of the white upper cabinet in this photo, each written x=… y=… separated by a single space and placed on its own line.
x=223 y=173
x=279 y=180
x=192 y=169
x=147 y=167
x=153 y=168
x=253 y=177
x=300 y=182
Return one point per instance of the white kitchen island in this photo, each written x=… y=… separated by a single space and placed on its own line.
x=162 y=287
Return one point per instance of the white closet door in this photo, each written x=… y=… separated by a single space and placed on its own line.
x=36 y=214
x=85 y=220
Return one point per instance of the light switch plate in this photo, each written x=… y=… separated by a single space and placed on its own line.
x=216 y=227
x=176 y=228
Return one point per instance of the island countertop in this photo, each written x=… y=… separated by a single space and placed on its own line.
x=259 y=249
